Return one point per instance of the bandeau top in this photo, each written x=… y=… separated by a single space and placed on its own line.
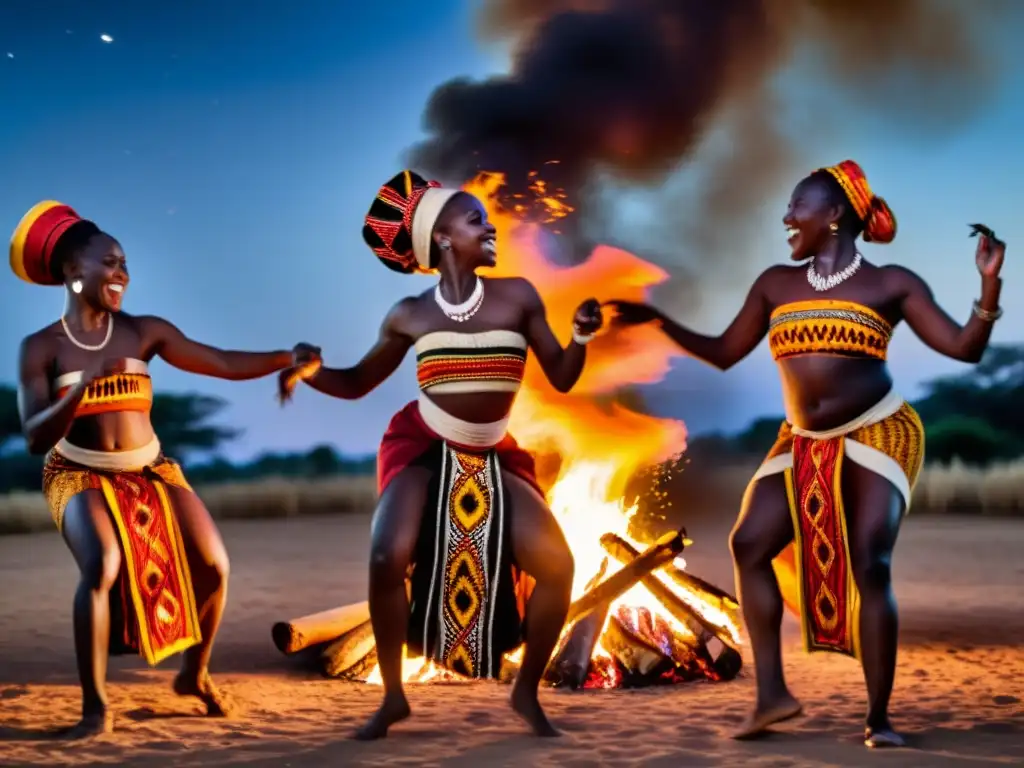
x=490 y=361
x=131 y=390
x=827 y=326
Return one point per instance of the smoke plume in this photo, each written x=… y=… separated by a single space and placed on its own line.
x=679 y=102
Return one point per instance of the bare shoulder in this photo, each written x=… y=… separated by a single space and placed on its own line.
x=39 y=348
x=144 y=324
x=776 y=279
x=400 y=319
x=516 y=289
x=901 y=280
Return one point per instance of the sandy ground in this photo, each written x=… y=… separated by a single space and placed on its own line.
x=958 y=693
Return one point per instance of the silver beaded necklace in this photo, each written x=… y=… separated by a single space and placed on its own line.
x=820 y=283
x=460 y=313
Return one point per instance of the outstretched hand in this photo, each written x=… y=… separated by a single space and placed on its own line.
x=306 y=361
x=632 y=313
x=303 y=353
x=990 y=253
x=588 y=318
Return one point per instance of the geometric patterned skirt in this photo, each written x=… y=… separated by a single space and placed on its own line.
x=153 y=608
x=468 y=598
x=814 y=572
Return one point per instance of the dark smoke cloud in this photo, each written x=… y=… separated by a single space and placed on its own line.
x=683 y=97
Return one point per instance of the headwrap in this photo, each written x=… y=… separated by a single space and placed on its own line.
x=879 y=220
x=35 y=238
x=400 y=223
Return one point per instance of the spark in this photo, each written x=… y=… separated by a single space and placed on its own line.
x=106 y=38
x=10 y=55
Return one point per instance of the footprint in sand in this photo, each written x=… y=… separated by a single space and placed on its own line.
x=1005 y=701
x=14 y=693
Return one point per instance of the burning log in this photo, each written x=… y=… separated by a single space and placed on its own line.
x=638 y=657
x=571 y=664
x=700 y=625
x=352 y=655
x=725 y=659
x=295 y=635
x=660 y=553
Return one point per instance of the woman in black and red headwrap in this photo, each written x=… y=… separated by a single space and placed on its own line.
x=821 y=515
x=458 y=497
x=153 y=566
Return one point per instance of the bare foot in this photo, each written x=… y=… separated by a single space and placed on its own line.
x=526 y=704
x=881 y=738
x=89 y=726
x=393 y=709
x=202 y=687
x=767 y=715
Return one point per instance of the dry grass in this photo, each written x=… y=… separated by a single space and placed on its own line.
x=271 y=497
x=996 y=491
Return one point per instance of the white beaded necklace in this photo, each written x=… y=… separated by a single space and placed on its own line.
x=90 y=347
x=460 y=313
x=820 y=283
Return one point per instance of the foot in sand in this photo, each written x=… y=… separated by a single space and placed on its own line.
x=202 y=687
x=882 y=738
x=393 y=709
x=767 y=715
x=526 y=704
x=95 y=724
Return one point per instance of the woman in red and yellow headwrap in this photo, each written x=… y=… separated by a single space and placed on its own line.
x=822 y=514
x=459 y=500
x=153 y=566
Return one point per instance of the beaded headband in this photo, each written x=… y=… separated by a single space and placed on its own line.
x=400 y=223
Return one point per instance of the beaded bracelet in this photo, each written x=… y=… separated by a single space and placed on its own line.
x=988 y=316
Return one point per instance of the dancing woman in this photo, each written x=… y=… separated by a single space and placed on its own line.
x=153 y=568
x=459 y=500
x=827 y=503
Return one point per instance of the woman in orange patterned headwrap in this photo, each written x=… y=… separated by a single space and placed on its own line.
x=826 y=505
x=153 y=567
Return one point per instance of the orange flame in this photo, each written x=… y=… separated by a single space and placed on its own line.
x=602 y=444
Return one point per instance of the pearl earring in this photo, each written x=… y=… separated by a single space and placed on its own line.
x=76 y=286
x=835 y=228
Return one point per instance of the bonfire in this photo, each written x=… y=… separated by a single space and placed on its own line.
x=637 y=617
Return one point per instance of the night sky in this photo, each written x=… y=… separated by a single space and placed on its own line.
x=233 y=148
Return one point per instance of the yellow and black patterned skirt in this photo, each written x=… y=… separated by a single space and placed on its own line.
x=465 y=614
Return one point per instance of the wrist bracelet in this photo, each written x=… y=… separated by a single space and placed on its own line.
x=987 y=315
x=581 y=338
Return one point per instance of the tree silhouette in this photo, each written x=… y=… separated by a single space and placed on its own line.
x=10 y=424
x=181 y=421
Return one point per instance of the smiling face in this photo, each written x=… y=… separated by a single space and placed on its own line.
x=101 y=267
x=809 y=215
x=464 y=225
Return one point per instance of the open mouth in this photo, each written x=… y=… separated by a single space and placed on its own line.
x=114 y=292
x=791 y=234
x=490 y=246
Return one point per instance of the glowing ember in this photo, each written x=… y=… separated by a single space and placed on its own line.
x=601 y=445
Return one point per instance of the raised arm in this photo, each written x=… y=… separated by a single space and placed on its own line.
x=561 y=366
x=380 y=362
x=165 y=340
x=43 y=421
x=937 y=329
x=742 y=336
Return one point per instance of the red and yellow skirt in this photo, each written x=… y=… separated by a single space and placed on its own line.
x=153 y=606
x=814 y=572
